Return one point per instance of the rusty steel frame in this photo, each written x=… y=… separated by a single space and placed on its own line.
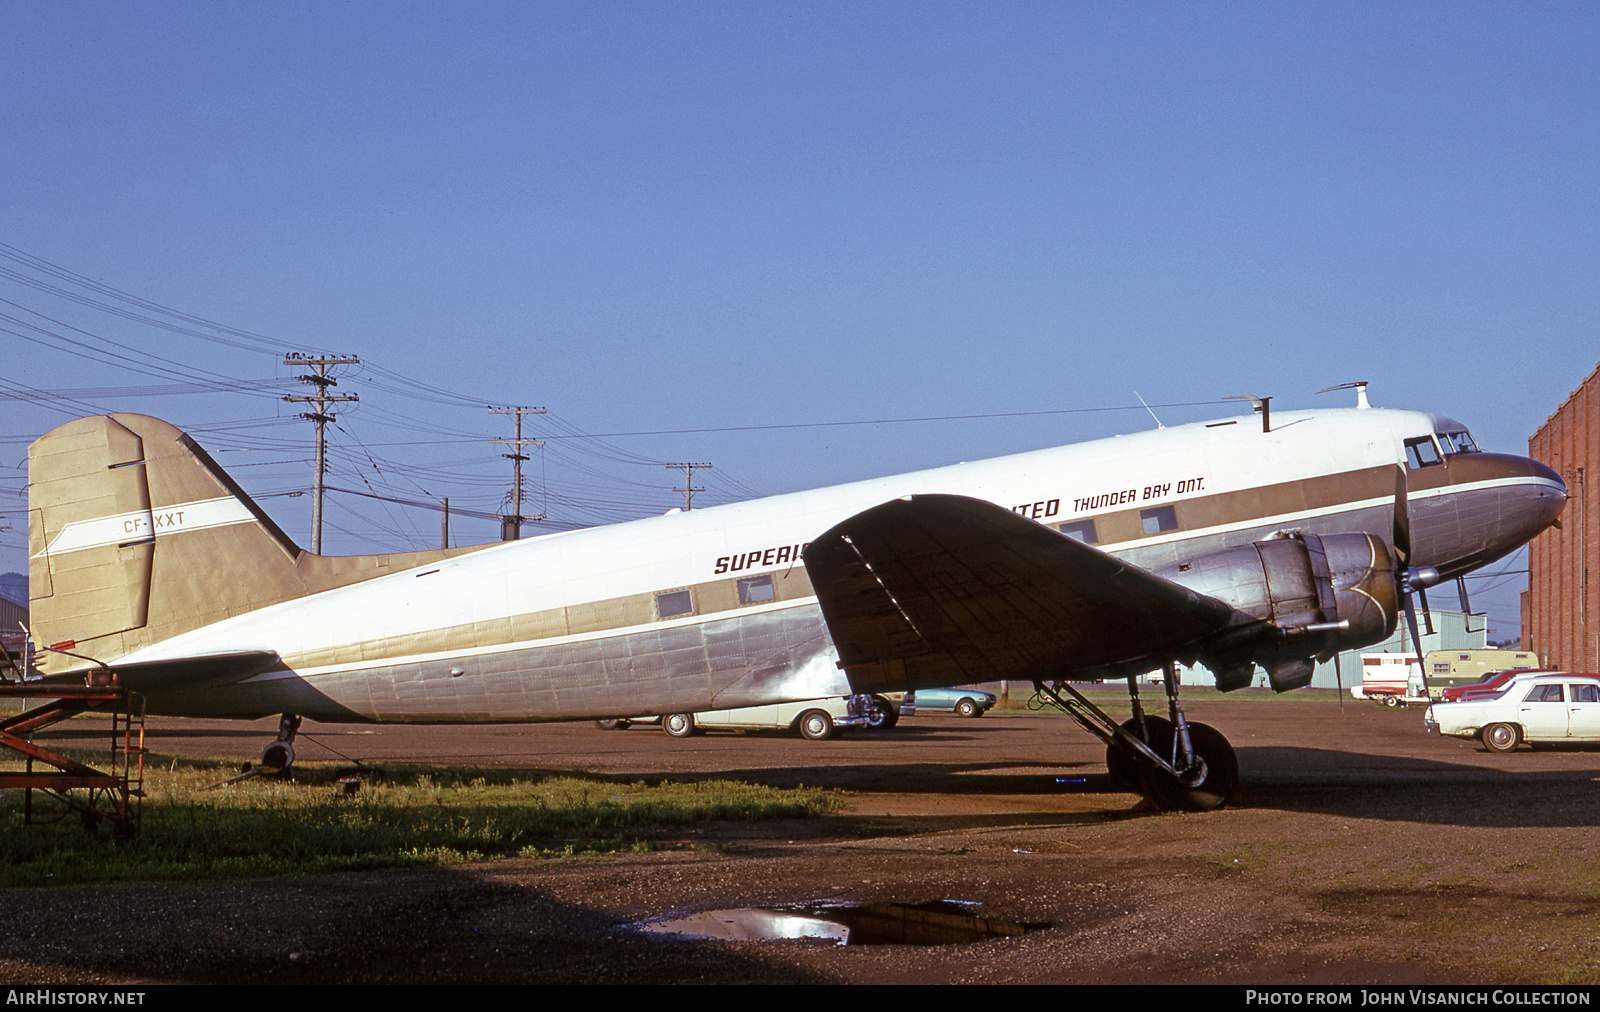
x=115 y=796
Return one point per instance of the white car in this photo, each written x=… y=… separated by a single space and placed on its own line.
x=817 y=719
x=1540 y=709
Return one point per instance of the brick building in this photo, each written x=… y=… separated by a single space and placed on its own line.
x=1561 y=607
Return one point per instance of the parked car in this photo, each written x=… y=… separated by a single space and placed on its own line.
x=960 y=701
x=884 y=713
x=1542 y=709
x=1487 y=687
x=817 y=719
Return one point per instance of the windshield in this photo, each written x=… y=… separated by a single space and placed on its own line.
x=1459 y=441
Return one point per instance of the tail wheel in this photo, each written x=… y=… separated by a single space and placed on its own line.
x=1206 y=790
x=278 y=756
x=679 y=725
x=1122 y=765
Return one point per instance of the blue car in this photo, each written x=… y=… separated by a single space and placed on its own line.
x=959 y=701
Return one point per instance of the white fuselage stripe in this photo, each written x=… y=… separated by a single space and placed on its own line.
x=142 y=525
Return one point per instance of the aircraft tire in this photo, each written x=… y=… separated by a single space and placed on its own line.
x=679 y=725
x=278 y=756
x=1219 y=785
x=1122 y=766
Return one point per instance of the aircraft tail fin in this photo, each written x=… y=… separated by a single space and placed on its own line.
x=135 y=535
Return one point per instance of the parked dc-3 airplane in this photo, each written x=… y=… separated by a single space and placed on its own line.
x=1250 y=540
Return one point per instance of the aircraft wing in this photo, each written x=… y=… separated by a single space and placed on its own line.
x=944 y=590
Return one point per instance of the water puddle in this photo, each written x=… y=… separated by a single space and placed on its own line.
x=942 y=922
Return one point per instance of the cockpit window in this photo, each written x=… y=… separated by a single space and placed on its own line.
x=1421 y=452
x=1457 y=442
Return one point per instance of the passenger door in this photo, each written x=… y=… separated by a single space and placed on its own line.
x=1583 y=711
x=1543 y=713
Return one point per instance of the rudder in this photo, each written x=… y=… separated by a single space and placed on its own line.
x=135 y=535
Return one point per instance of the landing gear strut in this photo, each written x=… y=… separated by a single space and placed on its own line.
x=279 y=755
x=1178 y=766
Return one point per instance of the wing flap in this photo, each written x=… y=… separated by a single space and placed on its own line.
x=939 y=590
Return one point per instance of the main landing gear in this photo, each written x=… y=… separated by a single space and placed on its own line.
x=1177 y=765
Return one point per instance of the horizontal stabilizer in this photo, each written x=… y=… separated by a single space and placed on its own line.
x=181 y=672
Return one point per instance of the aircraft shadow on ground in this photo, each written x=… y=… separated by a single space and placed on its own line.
x=1286 y=778
x=440 y=926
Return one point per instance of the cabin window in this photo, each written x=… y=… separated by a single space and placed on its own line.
x=1457 y=442
x=1441 y=667
x=1544 y=694
x=1083 y=530
x=1162 y=518
x=674 y=603
x=1421 y=452
x=757 y=590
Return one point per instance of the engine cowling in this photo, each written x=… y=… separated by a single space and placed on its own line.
x=1299 y=597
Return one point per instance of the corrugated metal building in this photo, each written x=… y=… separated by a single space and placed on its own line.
x=13 y=619
x=1561 y=607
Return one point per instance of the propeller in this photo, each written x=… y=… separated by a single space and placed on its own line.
x=1410 y=578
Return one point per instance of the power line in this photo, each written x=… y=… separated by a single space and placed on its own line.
x=689 y=488
x=321 y=381
x=511 y=529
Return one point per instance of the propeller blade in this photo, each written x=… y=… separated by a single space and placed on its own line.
x=1402 y=516
x=1411 y=623
x=1427 y=616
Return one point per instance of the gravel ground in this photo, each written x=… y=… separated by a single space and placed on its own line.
x=1363 y=851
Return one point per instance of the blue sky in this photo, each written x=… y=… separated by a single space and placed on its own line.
x=654 y=218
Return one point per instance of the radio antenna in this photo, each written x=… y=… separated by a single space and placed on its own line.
x=1147 y=408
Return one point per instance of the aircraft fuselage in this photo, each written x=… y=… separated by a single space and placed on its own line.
x=713 y=609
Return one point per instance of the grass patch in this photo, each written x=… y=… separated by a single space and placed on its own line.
x=413 y=817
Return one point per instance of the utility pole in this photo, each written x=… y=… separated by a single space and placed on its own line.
x=688 y=488
x=322 y=416
x=511 y=525
x=444 y=524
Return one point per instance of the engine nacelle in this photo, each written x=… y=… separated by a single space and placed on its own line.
x=1300 y=597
